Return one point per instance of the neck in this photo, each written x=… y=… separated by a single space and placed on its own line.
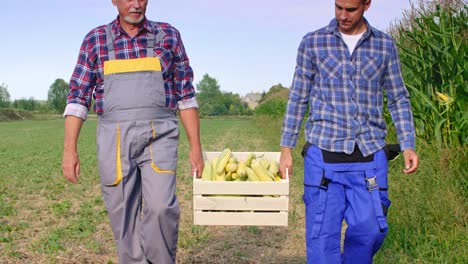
x=361 y=28
x=130 y=29
x=358 y=30
x=357 y=33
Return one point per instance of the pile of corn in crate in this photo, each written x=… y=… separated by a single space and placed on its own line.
x=241 y=188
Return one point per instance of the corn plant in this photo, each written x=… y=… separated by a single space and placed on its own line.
x=433 y=53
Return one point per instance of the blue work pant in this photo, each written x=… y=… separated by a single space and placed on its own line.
x=355 y=192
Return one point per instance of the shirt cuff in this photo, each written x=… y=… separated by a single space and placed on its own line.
x=187 y=103
x=407 y=145
x=77 y=110
x=288 y=142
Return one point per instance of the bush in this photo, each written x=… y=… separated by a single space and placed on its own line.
x=273 y=107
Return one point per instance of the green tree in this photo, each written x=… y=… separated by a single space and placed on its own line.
x=233 y=103
x=214 y=102
x=276 y=91
x=273 y=102
x=209 y=97
x=57 y=95
x=4 y=96
x=208 y=87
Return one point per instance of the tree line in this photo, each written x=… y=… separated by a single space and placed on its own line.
x=211 y=99
x=56 y=99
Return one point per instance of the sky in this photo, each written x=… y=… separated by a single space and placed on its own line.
x=246 y=45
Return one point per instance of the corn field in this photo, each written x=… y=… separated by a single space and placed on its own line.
x=432 y=42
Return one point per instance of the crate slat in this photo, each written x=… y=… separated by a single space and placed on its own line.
x=241 y=203
x=241 y=218
x=240 y=187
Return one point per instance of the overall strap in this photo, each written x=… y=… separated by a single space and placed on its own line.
x=110 y=37
x=150 y=45
x=373 y=188
x=160 y=36
x=152 y=41
x=327 y=177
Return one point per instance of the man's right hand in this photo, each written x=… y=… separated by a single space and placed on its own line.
x=71 y=166
x=286 y=162
x=70 y=160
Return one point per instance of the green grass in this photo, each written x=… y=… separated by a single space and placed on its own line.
x=44 y=219
x=429 y=217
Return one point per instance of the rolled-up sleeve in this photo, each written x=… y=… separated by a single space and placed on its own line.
x=82 y=84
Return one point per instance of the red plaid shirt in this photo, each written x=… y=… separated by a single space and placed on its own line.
x=88 y=74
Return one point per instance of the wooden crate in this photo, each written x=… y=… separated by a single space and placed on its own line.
x=241 y=203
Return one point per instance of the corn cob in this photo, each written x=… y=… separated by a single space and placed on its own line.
x=223 y=160
x=231 y=167
x=207 y=171
x=274 y=167
x=261 y=172
x=265 y=163
x=249 y=159
x=251 y=174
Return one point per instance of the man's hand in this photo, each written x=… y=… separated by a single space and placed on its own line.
x=411 y=161
x=71 y=166
x=189 y=118
x=286 y=162
x=196 y=160
x=70 y=160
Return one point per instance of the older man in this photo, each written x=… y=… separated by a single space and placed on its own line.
x=139 y=75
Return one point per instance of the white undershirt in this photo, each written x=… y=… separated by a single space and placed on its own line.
x=351 y=40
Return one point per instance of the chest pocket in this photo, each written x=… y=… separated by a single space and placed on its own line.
x=165 y=58
x=330 y=67
x=371 y=68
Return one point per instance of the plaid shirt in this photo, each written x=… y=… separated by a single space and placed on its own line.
x=88 y=74
x=345 y=93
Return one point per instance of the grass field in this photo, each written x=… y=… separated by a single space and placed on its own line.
x=44 y=219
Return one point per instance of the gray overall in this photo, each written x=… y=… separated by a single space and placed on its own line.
x=137 y=139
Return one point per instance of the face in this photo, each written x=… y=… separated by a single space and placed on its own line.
x=131 y=11
x=350 y=15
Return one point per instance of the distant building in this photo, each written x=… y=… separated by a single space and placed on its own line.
x=252 y=99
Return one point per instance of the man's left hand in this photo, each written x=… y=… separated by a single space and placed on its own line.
x=411 y=161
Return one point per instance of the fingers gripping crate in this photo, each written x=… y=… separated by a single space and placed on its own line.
x=242 y=203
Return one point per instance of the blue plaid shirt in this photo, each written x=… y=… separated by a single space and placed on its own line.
x=345 y=93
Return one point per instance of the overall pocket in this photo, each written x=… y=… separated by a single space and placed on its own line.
x=163 y=147
x=109 y=153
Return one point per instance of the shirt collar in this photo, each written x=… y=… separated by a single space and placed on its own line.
x=332 y=28
x=117 y=28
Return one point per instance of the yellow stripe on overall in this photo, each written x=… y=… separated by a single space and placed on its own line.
x=132 y=65
x=118 y=165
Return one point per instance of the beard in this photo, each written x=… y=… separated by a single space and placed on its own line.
x=133 y=21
